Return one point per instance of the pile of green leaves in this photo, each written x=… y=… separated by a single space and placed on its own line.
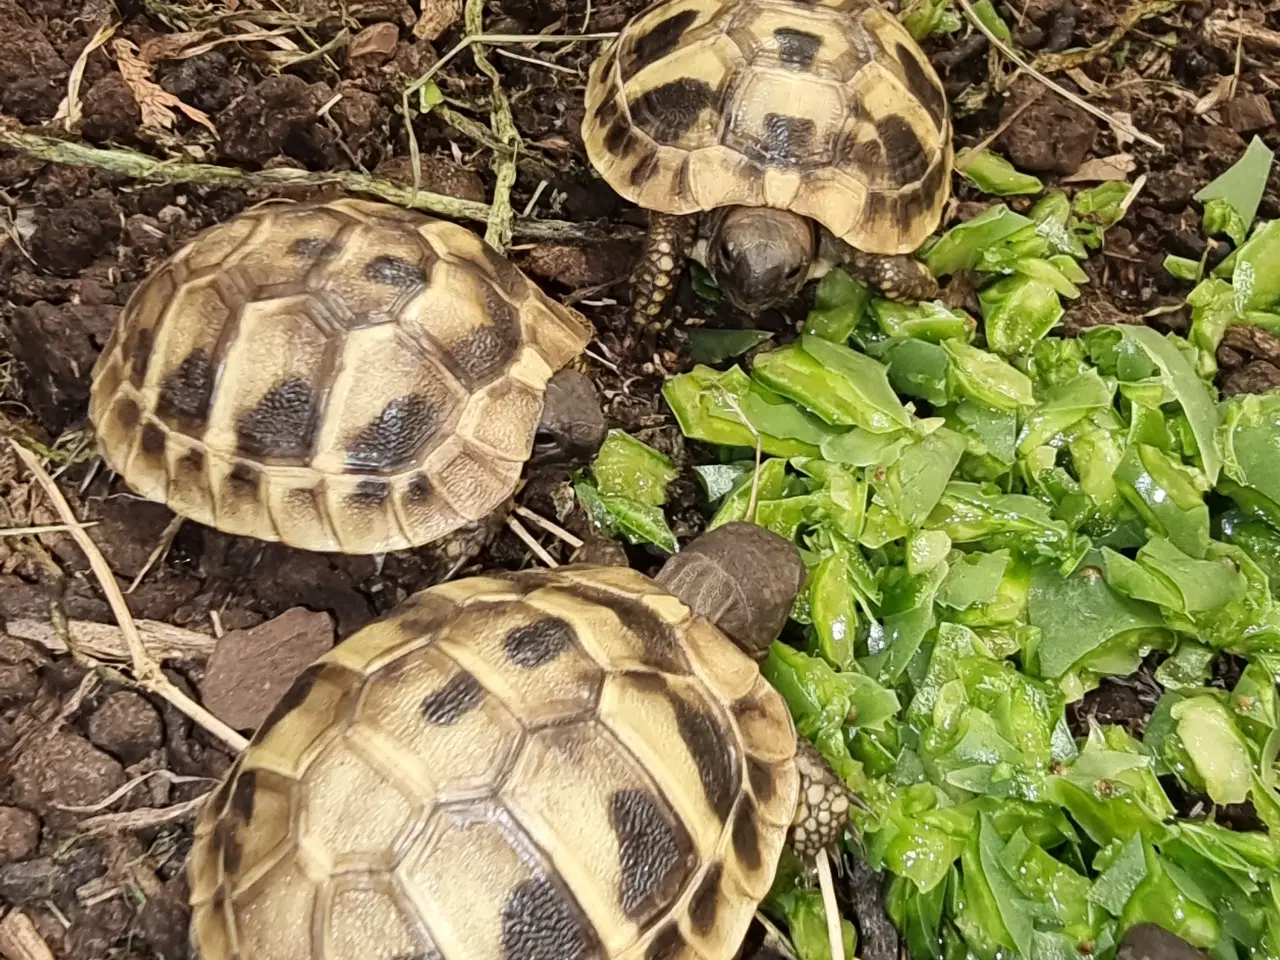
x=992 y=525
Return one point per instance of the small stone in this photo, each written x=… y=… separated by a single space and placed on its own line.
x=1248 y=112
x=47 y=878
x=374 y=45
x=18 y=684
x=126 y=726
x=601 y=552
x=251 y=669
x=19 y=834
x=1050 y=136
x=577 y=265
x=64 y=769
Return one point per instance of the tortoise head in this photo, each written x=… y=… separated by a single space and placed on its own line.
x=760 y=257
x=741 y=577
x=572 y=426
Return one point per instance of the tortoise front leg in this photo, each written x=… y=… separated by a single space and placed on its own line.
x=822 y=810
x=653 y=281
x=895 y=278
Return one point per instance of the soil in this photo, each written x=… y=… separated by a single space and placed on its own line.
x=96 y=779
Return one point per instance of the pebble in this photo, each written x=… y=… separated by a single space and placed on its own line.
x=127 y=726
x=19 y=834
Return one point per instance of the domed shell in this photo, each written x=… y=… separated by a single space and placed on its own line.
x=547 y=765
x=827 y=108
x=344 y=376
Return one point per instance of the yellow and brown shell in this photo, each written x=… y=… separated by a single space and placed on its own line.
x=344 y=376
x=827 y=108
x=547 y=765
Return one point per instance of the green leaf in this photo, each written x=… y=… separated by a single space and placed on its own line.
x=1166 y=495
x=1220 y=217
x=1079 y=613
x=961 y=247
x=1125 y=872
x=1201 y=584
x=914 y=483
x=973 y=579
x=925 y=550
x=1182 y=269
x=1191 y=393
x=1190 y=666
x=835 y=614
x=858 y=448
x=1250 y=439
x=1242 y=184
x=1017 y=311
x=843 y=387
x=1257 y=286
x=1063 y=406
x=919 y=369
x=1215 y=747
x=429 y=97
x=986 y=12
x=985 y=378
x=635 y=522
x=716 y=346
x=627 y=468
x=995 y=175
x=719 y=478
x=839 y=304
x=807 y=924
x=928 y=320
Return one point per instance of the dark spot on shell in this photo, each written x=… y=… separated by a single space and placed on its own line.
x=396 y=272
x=542 y=921
x=292 y=699
x=225 y=839
x=669 y=111
x=933 y=182
x=797 y=48
x=243 y=481
x=786 y=139
x=450 y=703
x=662 y=649
x=483 y=356
x=219 y=799
x=314 y=248
x=618 y=138
x=153 y=441
x=658 y=42
x=191 y=462
x=904 y=153
x=645 y=168
x=654 y=849
x=746 y=834
x=280 y=425
x=683 y=187
x=243 y=796
x=418 y=489
x=139 y=351
x=865 y=155
x=186 y=392
x=369 y=494
x=506 y=273
x=706 y=900
x=667 y=945
x=920 y=85
x=712 y=754
x=760 y=776
x=397 y=436
x=127 y=413
x=606 y=112
x=538 y=643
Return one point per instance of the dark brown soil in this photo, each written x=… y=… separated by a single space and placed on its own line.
x=78 y=240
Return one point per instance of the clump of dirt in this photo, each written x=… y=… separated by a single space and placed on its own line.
x=98 y=782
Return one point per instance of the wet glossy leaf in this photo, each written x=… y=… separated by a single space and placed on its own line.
x=716 y=346
x=1242 y=184
x=628 y=468
x=995 y=175
x=961 y=247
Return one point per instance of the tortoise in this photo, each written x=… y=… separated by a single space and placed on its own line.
x=812 y=133
x=341 y=376
x=580 y=763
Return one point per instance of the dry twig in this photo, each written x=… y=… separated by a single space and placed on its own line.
x=20 y=940
x=527 y=538
x=146 y=671
x=105 y=641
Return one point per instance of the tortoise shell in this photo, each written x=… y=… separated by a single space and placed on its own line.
x=827 y=108
x=344 y=376
x=546 y=765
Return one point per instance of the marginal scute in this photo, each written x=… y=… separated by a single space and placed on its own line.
x=337 y=376
x=497 y=768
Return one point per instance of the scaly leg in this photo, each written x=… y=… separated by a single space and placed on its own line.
x=895 y=278
x=653 y=281
x=822 y=811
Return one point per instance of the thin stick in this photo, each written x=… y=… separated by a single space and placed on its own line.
x=552 y=528
x=1056 y=88
x=140 y=166
x=518 y=529
x=47 y=528
x=835 y=935
x=161 y=548
x=146 y=671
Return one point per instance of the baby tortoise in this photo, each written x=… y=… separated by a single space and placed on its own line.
x=816 y=132
x=344 y=376
x=580 y=763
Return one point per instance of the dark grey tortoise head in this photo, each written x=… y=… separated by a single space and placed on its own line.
x=572 y=426
x=741 y=577
x=1148 y=941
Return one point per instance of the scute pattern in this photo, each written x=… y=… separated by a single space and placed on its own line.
x=345 y=376
x=546 y=765
x=826 y=108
